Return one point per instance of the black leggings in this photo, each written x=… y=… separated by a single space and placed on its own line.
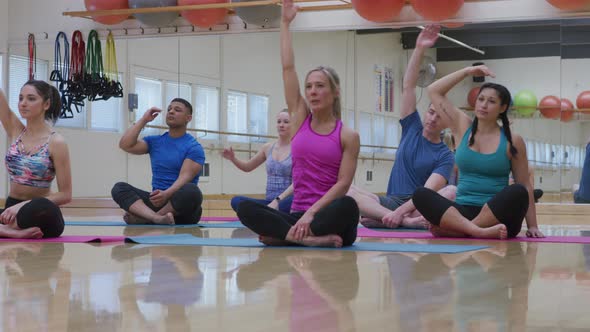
x=509 y=206
x=39 y=212
x=186 y=201
x=341 y=217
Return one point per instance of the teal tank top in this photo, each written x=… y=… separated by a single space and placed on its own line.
x=481 y=176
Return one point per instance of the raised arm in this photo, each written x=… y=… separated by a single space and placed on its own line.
x=458 y=121
x=9 y=120
x=520 y=170
x=129 y=142
x=249 y=165
x=295 y=101
x=426 y=39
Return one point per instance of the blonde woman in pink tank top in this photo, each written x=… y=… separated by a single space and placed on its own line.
x=324 y=154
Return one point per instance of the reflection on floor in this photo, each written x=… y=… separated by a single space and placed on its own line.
x=122 y=287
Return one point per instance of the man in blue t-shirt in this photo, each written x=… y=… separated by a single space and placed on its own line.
x=421 y=160
x=176 y=159
x=582 y=192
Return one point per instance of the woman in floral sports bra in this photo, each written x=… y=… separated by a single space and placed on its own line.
x=36 y=156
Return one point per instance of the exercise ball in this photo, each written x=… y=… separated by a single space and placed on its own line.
x=107 y=5
x=472 y=96
x=378 y=10
x=550 y=107
x=525 y=103
x=453 y=25
x=262 y=16
x=566 y=104
x=436 y=10
x=583 y=100
x=569 y=4
x=158 y=19
x=203 y=18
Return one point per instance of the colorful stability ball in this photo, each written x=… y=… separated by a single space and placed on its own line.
x=107 y=5
x=378 y=10
x=203 y=18
x=583 y=100
x=525 y=103
x=569 y=4
x=567 y=110
x=262 y=16
x=472 y=96
x=158 y=19
x=437 y=10
x=550 y=107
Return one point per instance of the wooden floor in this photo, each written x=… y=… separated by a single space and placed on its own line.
x=82 y=287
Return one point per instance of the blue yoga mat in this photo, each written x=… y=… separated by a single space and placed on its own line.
x=188 y=240
x=120 y=223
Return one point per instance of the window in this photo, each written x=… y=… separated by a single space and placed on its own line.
x=348 y=118
x=177 y=90
x=206 y=112
x=105 y=115
x=247 y=113
x=365 y=131
x=391 y=133
x=378 y=132
x=18 y=75
x=149 y=94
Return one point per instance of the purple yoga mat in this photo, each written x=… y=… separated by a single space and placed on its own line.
x=72 y=239
x=219 y=219
x=365 y=232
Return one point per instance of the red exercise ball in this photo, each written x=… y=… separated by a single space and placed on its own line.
x=566 y=104
x=569 y=4
x=472 y=96
x=453 y=25
x=378 y=10
x=437 y=10
x=550 y=107
x=204 y=18
x=107 y=5
x=583 y=100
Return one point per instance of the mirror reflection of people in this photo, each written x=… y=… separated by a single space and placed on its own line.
x=175 y=282
x=31 y=302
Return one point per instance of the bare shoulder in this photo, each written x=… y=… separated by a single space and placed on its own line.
x=518 y=141
x=349 y=135
x=57 y=141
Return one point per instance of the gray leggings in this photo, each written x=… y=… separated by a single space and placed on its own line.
x=186 y=201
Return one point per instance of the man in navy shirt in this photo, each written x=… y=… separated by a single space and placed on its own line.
x=176 y=160
x=422 y=159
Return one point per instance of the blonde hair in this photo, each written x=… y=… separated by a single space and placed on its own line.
x=334 y=85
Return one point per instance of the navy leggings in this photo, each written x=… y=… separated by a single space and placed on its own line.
x=509 y=206
x=341 y=217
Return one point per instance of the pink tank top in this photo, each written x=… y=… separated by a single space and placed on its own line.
x=316 y=163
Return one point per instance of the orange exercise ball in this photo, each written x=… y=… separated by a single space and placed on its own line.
x=583 y=100
x=203 y=18
x=107 y=5
x=566 y=104
x=437 y=10
x=453 y=25
x=378 y=10
x=569 y=4
x=472 y=96
x=550 y=107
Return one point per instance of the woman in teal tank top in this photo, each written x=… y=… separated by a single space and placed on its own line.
x=486 y=205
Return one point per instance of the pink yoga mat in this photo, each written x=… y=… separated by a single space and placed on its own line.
x=365 y=232
x=72 y=239
x=219 y=219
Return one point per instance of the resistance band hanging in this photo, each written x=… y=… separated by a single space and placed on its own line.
x=32 y=56
x=113 y=87
x=75 y=92
x=60 y=71
x=93 y=80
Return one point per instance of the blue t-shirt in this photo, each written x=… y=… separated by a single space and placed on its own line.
x=584 y=191
x=416 y=159
x=167 y=155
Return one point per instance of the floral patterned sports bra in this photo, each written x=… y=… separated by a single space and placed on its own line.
x=30 y=169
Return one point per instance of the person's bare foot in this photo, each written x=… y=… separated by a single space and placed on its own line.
x=271 y=241
x=27 y=233
x=332 y=241
x=438 y=231
x=372 y=223
x=416 y=222
x=167 y=219
x=132 y=219
x=495 y=232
